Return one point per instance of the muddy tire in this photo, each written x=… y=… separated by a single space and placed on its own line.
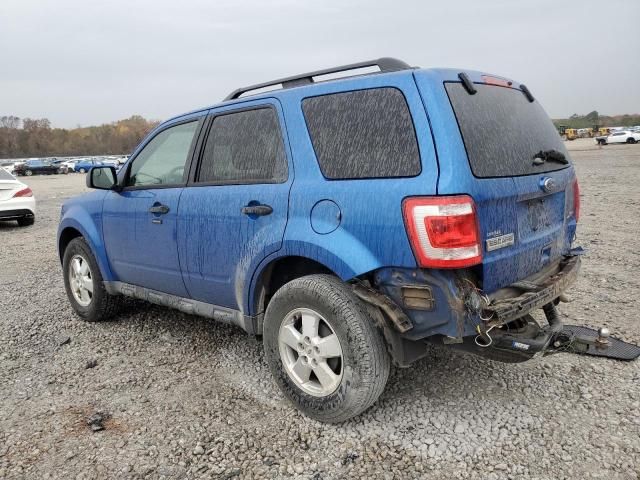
x=335 y=383
x=84 y=285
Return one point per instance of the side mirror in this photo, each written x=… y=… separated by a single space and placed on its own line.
x=102 y=178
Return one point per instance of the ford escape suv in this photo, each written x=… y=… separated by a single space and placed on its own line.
x=350 y=222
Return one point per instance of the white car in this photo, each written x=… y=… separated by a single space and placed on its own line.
x=8 y=166
x=16 y=200
x=623 y=136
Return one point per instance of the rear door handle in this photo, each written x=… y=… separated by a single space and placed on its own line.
x=258 y=210
x=162 y=209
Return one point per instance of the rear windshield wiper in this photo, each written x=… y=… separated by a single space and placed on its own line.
x=549 y=156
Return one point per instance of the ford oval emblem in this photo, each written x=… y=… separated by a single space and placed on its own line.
x=548 y=184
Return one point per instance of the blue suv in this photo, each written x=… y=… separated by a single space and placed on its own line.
x=351 y=223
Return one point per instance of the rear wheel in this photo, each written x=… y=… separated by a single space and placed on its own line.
x=323 y=349
x=82 y=170
x=26 y=221
x=28 y=173
x=83 y=283
x=631 y=140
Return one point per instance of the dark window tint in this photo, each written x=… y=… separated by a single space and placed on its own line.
x=363 y=134
x=244 y=147
x=503 y=131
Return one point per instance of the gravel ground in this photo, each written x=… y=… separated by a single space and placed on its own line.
x=184 y=397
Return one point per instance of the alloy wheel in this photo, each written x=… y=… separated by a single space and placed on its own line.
x=311 y=352
x=80 y=280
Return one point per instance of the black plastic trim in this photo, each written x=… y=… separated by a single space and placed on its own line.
x=527 y=93
x=386 y=64
x=13 y=214
x=467 y=83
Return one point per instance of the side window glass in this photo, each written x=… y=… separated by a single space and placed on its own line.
x=363 y=134
x=162 y=161
x=244 y=147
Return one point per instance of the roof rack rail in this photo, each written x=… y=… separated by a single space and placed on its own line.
x=386 y=64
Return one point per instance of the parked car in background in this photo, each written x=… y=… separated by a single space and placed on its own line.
x=70 y=164
x=62 y=166
x=619 y=136
x=411 y=220
x=36 y=167
x=112 y=163
x=16 y=200
x=83 y=166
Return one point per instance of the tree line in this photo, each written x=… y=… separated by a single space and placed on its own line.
x=29 y=137
x=593 y=119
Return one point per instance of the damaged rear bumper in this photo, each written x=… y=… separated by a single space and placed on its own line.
x=444 y=307
x=504 y=309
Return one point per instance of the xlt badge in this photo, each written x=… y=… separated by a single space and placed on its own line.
x=499 y=242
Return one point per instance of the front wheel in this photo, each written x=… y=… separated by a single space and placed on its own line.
x=83 y=283
x=631 y=140
x=324 y=351
x=82 y=170
x=28 y=173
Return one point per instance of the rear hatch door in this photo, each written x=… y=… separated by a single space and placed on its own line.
x=505 y=152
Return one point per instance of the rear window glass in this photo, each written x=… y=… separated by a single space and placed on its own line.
x=503 y=131
x=363 y=134
x=4 y=175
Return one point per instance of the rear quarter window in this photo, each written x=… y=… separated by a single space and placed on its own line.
x=502 y=131
x=363 y=134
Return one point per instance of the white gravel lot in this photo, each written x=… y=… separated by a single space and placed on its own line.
x=189 y=398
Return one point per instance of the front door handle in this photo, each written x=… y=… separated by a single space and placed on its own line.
x=258 y=210
x=162 y=209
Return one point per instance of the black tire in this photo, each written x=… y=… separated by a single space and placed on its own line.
x=26 y=221
x=82 y=170
x=103 y=306
x=365 y=365
x=28 y=173
x=631 y=140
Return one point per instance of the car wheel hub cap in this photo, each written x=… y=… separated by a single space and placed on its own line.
x=81 y=280
x=311 y=352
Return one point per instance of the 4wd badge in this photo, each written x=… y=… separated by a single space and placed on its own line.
x=499 y=242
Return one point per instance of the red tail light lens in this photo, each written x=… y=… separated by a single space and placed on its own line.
x=25 y=192
x=443 y=231
x=576 y=199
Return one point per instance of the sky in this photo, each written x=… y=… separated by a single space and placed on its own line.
x=79 y=62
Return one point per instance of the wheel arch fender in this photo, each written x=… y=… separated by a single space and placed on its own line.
x=78 y=220
x=337 y=257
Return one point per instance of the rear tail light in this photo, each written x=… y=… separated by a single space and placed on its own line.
x=25 y=192
x=576 y=199
x=443 y=231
